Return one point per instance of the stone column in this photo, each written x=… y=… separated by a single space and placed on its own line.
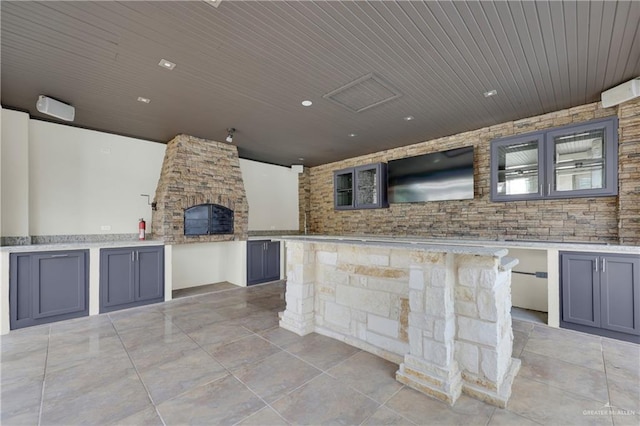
x=430 y=366
x=484 y=340
x=298 y=316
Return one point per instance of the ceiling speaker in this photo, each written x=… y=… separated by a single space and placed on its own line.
x=622 y=93
x=55 y=108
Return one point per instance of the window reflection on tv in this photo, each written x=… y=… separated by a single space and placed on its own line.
x=438 y=176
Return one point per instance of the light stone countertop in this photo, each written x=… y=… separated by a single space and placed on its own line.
x=438 y=244
x=79 y=245
x=400 y=243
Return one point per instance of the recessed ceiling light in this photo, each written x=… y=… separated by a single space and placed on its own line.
x=214 y=3
x=408 y=118
x=300 y=158
x=166 y=64
x=307 y=103
x=490 y=93
x=353 y=135
x=144 y=100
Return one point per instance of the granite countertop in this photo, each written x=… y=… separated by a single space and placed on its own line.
x=79 y=245
x=436 y=242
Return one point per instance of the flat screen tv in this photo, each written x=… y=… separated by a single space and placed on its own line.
x=446 y=175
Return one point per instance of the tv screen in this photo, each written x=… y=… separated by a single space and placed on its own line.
x=446 y=175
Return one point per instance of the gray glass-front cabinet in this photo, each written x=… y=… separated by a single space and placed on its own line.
x=564 y=162
x=263 y=261
x=131 y=276
x=48 y=286
x=600 y=294
x=362 y=187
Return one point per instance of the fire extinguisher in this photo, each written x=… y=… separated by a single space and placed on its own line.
x=142 y=226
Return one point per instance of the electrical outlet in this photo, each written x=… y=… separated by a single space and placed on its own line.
x=105 y=228
x=105 y=150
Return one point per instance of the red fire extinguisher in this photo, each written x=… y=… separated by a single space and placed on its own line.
x=142 y=226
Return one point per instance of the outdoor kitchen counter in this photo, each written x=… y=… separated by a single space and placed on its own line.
x=440 y=311
x=79 y=245
x=94 y=268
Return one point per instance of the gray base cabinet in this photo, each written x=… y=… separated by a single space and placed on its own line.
x=600 y=294
x=48 y=286
x=263 y=261
x=131 y=276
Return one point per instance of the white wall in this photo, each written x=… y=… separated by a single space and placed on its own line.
x=208 y=263
x=14 y=171
x=272 y=194
x=88 y=182
x=527 y=291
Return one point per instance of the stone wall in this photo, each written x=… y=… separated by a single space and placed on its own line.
x=198 y=171
x=597 y=219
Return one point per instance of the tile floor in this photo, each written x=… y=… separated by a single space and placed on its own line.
x=220 y=358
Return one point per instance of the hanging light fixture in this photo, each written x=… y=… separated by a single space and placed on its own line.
x=230 y=132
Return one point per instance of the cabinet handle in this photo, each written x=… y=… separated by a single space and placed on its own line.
x=603 y=264
x=541 y=192
x=133 y=256
x=59 y=255
x=596 y=262
x=549 y=189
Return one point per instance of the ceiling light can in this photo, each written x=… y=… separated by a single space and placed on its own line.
x=490 y=93
x=307 y=103
x=408 y=118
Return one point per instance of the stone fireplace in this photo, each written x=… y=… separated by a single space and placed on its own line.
x=198 y=172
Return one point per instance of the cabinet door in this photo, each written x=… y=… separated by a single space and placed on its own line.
x=516 y=168
x=59 y=284
x=117 y=281
x=580 y=283
x=149 y=273
x=582 y=160
x=47 y=287
x=370 y=186
x=255 y=261
x=272 y=261
x=343 y=189
x=620 y=294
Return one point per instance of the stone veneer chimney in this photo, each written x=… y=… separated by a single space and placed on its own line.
x=198 y=171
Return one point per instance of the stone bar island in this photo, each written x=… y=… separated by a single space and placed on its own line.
x=442 y=312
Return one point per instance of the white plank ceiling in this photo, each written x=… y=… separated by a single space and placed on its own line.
x=249 y=64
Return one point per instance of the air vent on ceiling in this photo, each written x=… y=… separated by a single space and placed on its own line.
x=364 y=93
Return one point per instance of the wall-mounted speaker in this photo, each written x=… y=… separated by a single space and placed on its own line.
x=621 y=93
x=55 y=108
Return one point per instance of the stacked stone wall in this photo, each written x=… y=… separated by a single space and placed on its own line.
x=198 y=171
x=614 y=219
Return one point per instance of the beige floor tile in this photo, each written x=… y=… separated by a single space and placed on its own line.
x=323 y=352
x=223 y=402
x=371 y=375
x=583 y=381
x=422 y=410
x=218 y=334
x=388 y=417
x=265 y=417
x=276 y=375
x=178 y=375
x=548 y=405
x=502 y=417
x=20 y=402
x=566 y=345
x=101 y=404
x=281 y=337
x=324 y=401
x=624 y=391
x=243 y=351
x=147 y=417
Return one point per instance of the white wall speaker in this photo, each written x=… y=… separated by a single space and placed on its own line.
x=297 y=168
x=55 y=108
x=621 y=93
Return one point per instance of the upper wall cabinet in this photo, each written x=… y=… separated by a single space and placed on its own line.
x=362 y=187
x=564 y=162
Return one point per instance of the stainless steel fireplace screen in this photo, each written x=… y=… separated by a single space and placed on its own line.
x=208 y=219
